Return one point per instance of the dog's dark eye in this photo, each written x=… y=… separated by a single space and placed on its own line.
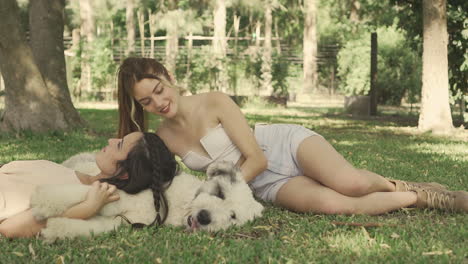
x=220 y=194
x=233 y=215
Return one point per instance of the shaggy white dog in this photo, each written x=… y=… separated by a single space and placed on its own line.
x=217 y=203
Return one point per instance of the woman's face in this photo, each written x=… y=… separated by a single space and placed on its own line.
x=156 y=98
x=116 y=150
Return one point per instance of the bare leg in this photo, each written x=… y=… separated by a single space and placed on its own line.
x=321 y=162
x=21 y=225
x=302 y=194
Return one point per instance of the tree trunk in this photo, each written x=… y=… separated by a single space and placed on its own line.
x=373 y=92
x=172 y=48
x=141 y=27
x=310 y=47
x=267 y=88
x=461 y=104
x=72 y=52
x=354 y=11
x=219 y=15
x=278 y=42
x=258 y=27
x=152 y=27
x=189 y=46
x=28 y=103
x=219 y=43
x=130 y=26
x=236 y=25
x=87 y=30
x=46 y=39
x=1 y=82
x=435 y=112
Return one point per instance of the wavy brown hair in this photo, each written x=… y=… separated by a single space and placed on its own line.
x=132 y=117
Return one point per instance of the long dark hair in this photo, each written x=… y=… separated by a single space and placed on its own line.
x=149 y=164
x=132 y=70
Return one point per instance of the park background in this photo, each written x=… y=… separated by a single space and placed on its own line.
x=280 y=50
x=284 y=62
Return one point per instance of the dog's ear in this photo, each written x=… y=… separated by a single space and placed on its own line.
x=224 y=169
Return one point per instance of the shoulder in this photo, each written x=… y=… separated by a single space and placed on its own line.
x=163 y=130
x=169 y=138
x=217 y=96
x=218 y=99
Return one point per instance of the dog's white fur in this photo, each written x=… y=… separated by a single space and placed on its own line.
x=217 y=203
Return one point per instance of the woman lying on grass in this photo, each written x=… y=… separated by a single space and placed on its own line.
x=136 y=162
x=288 y=165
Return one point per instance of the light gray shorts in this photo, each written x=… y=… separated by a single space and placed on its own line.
x=279 y=143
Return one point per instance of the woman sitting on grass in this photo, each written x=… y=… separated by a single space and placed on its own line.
x=136 y=162
x=288 y=165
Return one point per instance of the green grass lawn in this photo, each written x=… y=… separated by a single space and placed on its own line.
x=389 y=145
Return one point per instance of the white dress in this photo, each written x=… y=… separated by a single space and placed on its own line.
x=18 y=179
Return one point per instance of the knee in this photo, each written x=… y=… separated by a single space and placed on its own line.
x=6 y=232
x=358 y=187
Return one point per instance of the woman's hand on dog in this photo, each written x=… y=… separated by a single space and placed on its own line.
x=100 y=194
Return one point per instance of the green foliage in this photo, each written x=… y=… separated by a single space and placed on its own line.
x=204 y=69
x=103 y=67
x=457 y=26
x=180 y=21
x=353 y=67
x=23 y=14
x=291 y=32
x=399 y=68
x=280 y=74
x=234 y=70
x=253 y=66
x=279 y=71
x=335 y=26
x=410 y=19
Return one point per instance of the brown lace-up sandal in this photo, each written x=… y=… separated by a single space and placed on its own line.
x=441 y=199
x=407 y=186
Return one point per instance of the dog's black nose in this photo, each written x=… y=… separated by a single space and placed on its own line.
x=203 y=217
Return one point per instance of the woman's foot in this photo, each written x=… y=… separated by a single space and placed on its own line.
x=407 y=186
x=442 y=199
x=434 y=195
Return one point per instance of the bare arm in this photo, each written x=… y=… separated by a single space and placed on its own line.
x=26 y=224
x=99 y=195
x=237 y=128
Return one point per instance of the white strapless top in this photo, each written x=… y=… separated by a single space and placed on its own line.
x=219 y=147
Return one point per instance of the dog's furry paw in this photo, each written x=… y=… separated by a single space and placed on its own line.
x=53 y=200
x=224 y=169
x=61 y=227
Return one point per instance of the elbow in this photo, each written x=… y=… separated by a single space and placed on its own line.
x=9 y=233
x=6 y=233
x=263 y=162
